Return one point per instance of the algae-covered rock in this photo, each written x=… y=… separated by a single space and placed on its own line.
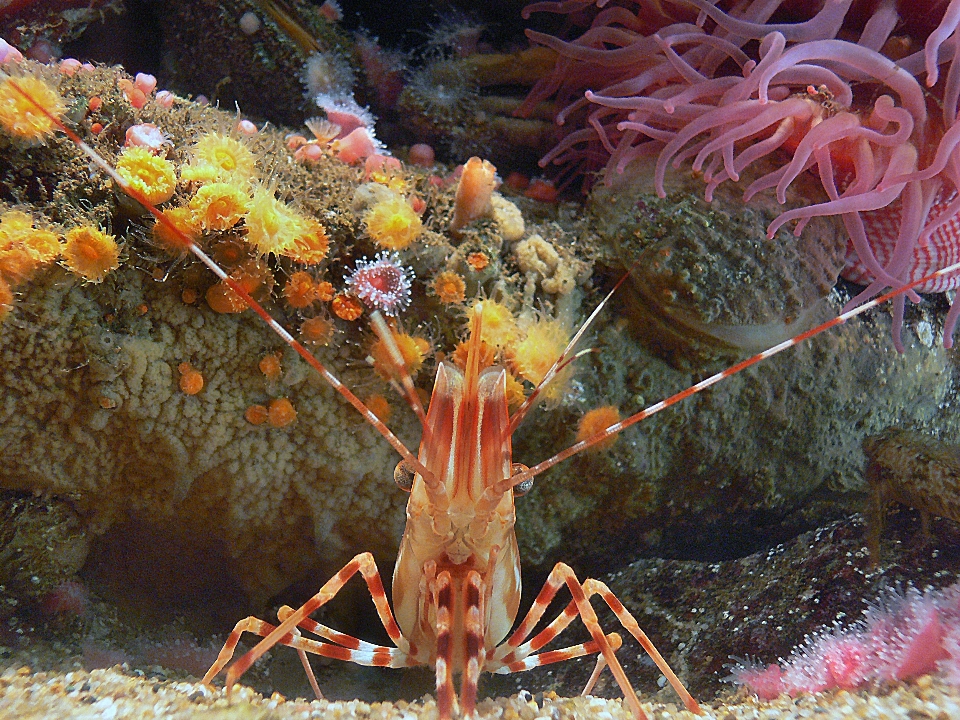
x=42 y=547
x=96 y=407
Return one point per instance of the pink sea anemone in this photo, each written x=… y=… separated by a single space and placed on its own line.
x=904 y=635
x=382 y=283
x=723 y=84
x=356 y=139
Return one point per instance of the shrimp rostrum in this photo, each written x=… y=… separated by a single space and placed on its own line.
x=456 y=584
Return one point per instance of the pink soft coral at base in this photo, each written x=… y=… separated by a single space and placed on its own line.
x=904 y=636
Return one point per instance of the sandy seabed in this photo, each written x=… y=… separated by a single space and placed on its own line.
x=110 y=694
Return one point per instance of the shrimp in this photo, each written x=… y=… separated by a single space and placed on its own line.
x=456 y=586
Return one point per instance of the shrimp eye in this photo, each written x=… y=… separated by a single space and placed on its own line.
x=403 y=476
x=524 y=487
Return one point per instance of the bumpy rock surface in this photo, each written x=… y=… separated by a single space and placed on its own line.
x=760 y=456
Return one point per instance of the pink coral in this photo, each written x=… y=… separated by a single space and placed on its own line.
x=356 y=139
x=146 y=135
x=724 y=89
x=903 y=636
x=8 y=53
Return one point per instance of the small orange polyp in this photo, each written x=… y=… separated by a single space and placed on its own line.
x=596 y=420
x=91 y=253
x=280 y=413
x=175 y=229
x=316 y=331
x=256 y=414
x=449 y=287
x=380 y=407
x=346 y=307
x=270 y=366
x=300 y=291
x=191 y=381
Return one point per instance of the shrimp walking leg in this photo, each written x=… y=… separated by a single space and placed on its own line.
x=513 y=652
x=290 y=620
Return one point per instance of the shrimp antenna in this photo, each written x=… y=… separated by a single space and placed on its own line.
x=564 y=360
x=617 y=427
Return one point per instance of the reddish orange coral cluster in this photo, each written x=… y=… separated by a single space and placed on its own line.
x=449 y=287
x=596 y=420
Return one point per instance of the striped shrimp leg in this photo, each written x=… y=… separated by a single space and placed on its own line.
x=351 y=648
x=442 y=594
x=514 y=655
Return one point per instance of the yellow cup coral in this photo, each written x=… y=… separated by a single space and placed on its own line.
x=499 y=326
x=91 y=253
x=19 y=116
x=228 y=159
x=273 y=226
x=413 y=349
x=148 y=174
x=515 y=393
x=543 y=343
x=392 y=223
x=219 y=206
x=530 y=358
x=311 y=246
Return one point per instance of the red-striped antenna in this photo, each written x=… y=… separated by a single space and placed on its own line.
x=723 y=374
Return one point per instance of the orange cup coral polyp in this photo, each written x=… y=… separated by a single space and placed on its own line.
x=24 y=248
x=311 y=246
x=595 y=421
x=449 y=287
x=91 y=253
x=219 y=206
